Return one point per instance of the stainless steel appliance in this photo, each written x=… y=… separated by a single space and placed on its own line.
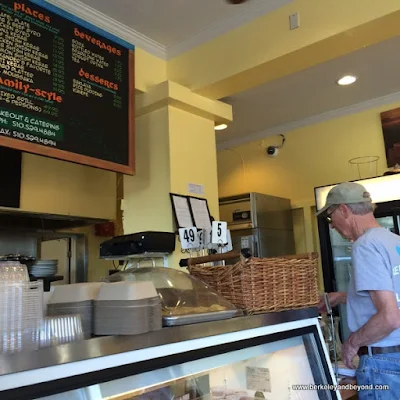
x=259 y=222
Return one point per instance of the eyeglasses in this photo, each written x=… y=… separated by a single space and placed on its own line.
x=329 y=215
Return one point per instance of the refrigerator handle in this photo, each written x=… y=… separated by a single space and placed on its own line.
x=255 y=249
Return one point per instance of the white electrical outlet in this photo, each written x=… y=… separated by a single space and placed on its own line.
x=294 y=20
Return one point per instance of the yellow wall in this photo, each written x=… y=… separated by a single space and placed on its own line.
x=58 y=187
x=146 y=195
x=312 y=156
x=195 y=160
x=149 y=70
x=176 y=148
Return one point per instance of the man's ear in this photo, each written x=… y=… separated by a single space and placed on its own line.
x=345 y=210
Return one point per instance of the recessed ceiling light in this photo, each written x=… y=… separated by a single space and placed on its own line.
x=346 y=80
x=220 y=127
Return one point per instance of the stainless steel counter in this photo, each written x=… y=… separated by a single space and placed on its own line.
x=111 y=345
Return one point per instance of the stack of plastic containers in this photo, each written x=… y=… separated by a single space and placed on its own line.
x=75 y=299
x=127 y=308
x=60 y=330
x=21 y=309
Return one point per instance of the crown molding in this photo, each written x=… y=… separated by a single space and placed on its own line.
x=315 y=119
x=254 y=9
x=111 y=25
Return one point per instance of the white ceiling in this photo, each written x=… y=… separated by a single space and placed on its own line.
x=312 y=94
x=170 y=27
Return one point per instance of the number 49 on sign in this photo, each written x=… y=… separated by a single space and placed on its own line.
x=189 y=238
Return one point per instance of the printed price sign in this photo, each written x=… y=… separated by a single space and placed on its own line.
x=219 y=235
x=258 y=379
x=189 y=238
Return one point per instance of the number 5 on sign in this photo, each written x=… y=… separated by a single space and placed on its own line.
x=189 y=238
x=219 y=232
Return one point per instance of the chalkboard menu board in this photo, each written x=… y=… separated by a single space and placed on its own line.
x=66 y=87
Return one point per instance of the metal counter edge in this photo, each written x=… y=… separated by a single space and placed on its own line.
x=112 y=345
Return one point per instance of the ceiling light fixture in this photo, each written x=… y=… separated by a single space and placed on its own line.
x=346 y=80
x=220 y=127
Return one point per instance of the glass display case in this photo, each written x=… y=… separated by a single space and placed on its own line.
x=264 y=371
x=277 y=356
x=184 y=298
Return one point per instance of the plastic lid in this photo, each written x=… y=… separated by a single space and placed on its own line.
x=75 y=292
x=180 y=293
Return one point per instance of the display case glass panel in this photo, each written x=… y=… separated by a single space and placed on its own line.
x=267 y=367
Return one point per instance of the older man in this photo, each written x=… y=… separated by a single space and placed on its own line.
x=373 y=298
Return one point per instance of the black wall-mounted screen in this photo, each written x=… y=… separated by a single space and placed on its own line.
x=10 y=177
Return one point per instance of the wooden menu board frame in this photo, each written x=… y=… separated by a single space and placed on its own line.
x=65 y=155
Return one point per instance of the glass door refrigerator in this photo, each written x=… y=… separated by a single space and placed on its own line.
x=335 y=251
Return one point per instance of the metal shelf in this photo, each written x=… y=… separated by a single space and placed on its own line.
x=142 y=256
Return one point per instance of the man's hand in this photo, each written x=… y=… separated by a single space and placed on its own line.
x=349 y=351
x=335 y=298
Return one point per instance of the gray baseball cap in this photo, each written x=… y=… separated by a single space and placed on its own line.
x=346 y=193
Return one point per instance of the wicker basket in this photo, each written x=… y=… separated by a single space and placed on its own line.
x=259 y=285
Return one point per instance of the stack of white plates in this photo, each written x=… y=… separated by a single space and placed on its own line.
x=75 y=299
x=127 y=308
x=43 y=268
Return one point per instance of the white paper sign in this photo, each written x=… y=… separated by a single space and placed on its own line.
x=219 y=235
x=182 y=211
x=258 y=379
x=189 y=238
x=229 y=246
x=195 y=188
x=244 y=242
x=204 y=238
x=200 y=212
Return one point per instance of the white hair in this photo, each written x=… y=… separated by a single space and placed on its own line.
x=362 y=208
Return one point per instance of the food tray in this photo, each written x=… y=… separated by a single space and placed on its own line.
x=197 y=318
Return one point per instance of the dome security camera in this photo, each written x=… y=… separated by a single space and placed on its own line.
x=272 y=151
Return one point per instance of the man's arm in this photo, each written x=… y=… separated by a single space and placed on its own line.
x=382 y=324
x=335 y=298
